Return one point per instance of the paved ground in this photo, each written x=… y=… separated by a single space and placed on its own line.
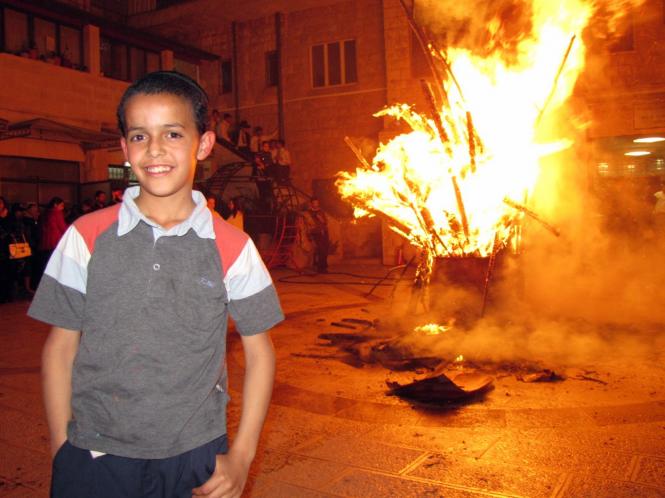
x=333 y=431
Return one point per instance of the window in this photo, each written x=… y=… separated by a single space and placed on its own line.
x=334 y=64
x=16 y=31
x=272 y=68
x=226 y=76
x=36 y=37
x=70 y=45
x=45 y=36
x=114 y=59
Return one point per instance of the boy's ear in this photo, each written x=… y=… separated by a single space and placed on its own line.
x=123 y=145
x=206 y=144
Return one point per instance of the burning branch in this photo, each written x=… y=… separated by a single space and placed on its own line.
x=556 y=78
x=533 y=215
x=357 y=152
x=425 y=46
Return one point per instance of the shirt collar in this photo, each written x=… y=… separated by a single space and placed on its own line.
x=200 y=220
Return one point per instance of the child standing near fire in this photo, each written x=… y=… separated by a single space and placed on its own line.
x=138 y=296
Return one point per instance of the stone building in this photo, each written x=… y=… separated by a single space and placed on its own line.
x=312 y=71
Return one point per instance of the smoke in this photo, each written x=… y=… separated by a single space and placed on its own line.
x=594 y=293
x=487 y=27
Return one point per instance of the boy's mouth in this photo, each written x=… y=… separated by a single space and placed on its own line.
x=160 y=169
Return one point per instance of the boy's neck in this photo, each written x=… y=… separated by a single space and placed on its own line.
x=167 y=212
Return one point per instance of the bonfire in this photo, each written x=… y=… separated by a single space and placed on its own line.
x=460 y=182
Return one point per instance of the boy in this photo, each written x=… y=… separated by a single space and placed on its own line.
x=134 y=376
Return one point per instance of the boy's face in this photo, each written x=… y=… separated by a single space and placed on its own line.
x=163 y=144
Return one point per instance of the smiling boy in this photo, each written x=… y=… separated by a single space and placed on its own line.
x=138 y=294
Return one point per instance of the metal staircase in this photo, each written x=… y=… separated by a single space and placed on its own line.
x=285 y=206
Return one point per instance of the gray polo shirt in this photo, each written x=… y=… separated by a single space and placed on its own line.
x=152 y=305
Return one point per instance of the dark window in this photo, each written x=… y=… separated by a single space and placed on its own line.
x=350 y=71
x=334 y=64
x=17 y=38
x=227 y=76
x=318 y=66
x=45 y=37
x=152 y=62
x=70 y=45
x=137 y=63
x=272 y=68
x=114 y=59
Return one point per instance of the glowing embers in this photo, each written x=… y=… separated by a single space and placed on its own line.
x=432 y=329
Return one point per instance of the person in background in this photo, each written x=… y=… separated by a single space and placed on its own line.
x=234 y=215
x=79 y=210
x=316 y=227
x=211 y=202
x=52 y=228
x=283 y=161
x=243 y=137
x=116 y=196
x=100 y=200
x=223 y=131
x=6 y=279
x=32 y=233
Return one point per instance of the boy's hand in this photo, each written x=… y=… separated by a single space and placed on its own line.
x=227 y=481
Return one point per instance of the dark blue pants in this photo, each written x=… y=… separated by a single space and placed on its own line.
x=77 y=475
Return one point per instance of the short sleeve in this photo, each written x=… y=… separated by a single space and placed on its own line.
x=253 y=301
x=60 y=298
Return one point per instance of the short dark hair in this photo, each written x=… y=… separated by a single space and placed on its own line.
x=173 y=83
x=55 y=201
x=99 y=192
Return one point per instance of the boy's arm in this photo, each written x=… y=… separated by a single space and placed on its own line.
x=231 y=470
x=57 y=360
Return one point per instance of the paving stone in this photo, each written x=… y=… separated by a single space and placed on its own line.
x=25 y=429
x=562 y=417
x=543 y=455
x=380 y=413
x=630 y=413
x=524 y=481
x=284 y=490
x=288 y=428
x=298 y=470
x=11 y=490
x=462 y=417
x=471 y=441
x=364 y=453
x=588 y=487
x=651 y=471
x=360 y=483
x=26 y=467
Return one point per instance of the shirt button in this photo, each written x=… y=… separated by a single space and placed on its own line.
x=156 y=267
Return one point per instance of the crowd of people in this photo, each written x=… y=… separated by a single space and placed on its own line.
x=29 y=234
x=269 y=155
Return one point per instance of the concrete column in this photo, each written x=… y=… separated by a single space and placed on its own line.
x=168 y=62
x=91 y=49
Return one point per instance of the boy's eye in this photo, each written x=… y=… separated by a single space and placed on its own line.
x=174 y=134
x=136 y=138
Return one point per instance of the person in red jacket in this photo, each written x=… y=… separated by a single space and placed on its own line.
x=53 y=226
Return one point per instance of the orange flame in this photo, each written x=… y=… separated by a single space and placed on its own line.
x=444 y=185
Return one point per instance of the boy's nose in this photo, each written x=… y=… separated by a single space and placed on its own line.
x=155 y=147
